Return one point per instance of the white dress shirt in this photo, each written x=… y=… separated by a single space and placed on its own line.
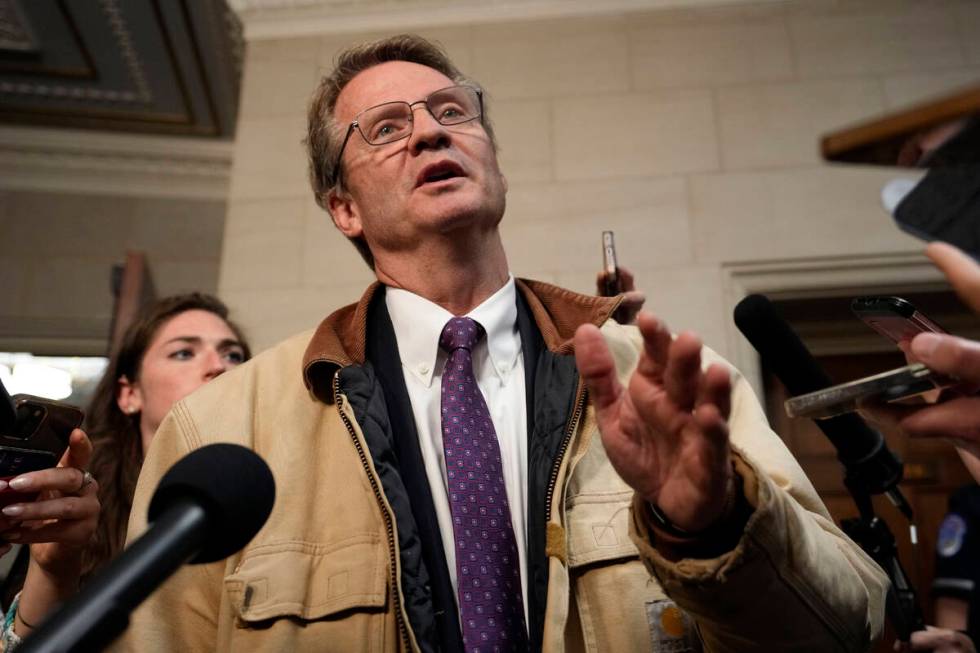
x=498 y=365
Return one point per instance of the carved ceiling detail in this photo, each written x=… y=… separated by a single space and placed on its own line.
x=157 y=66
x=126 y=50
x=15 y=33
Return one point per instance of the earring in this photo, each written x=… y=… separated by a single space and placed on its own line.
x=130 y=410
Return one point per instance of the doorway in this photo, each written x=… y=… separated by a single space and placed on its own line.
x=847 y=350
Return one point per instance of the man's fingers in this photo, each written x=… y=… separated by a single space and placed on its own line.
x=596 y=366
x=716 y=390
x=712 y=423
x=656 y=345
x=626 y=281
x=682 y=377
x=950 y=355
x=961 y=270
x=958 y=419
x=885 y=415
x=633 y=299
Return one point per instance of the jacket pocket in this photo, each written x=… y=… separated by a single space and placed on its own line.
x=598 y=528
x=303 y=594
x=617 y=600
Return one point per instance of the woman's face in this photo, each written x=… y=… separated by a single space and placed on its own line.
x=189 y=350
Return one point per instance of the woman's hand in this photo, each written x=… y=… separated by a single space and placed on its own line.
x=938 y=640
x=61 y=521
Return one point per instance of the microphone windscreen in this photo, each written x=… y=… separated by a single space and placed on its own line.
x=233 y=485
x=782 y=351
x=778 y=345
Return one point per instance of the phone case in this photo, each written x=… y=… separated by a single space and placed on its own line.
x=888 y=386
x=38 y=440
x=893 y=317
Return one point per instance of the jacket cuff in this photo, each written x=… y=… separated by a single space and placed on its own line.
x=700 y=554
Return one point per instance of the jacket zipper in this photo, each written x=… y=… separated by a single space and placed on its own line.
x=389 y=526
x=572 y=424
x=569 y=431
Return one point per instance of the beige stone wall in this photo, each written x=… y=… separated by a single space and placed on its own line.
x=691 y=133
x=57 y=250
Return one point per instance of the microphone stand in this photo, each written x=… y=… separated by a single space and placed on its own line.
x=880 y=472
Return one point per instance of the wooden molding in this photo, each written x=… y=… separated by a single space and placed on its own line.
x=65 y=160
x=880 y=140
x=279 y=19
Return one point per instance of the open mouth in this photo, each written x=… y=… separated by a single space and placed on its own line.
x=437 y=172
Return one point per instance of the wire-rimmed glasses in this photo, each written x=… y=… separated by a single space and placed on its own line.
x=393 y=121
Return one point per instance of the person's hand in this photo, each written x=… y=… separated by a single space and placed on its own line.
x=666 y=433
x=957 y=413
x=938 y=640
x=61 y=521
x=633 y=299
x=962 y=272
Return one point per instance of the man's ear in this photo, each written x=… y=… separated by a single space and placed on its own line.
x=345 y=213
x=129 y=397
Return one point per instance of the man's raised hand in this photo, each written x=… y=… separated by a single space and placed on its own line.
x=666 y=432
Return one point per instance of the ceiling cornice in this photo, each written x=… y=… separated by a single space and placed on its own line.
x=114 y=164
x=274 y=19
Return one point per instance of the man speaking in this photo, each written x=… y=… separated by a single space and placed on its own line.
x=472 y=462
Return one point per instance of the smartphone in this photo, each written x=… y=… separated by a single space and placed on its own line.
x=611 y=285
x=893 y=385
x=893 y=317
x=37 y=440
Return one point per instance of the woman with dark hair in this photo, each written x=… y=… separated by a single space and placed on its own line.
x=175 y=346
x=179 y=344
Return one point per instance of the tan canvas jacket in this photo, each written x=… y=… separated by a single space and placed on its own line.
x=323 y=573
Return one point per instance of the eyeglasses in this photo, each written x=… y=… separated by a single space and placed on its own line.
x=393 y=121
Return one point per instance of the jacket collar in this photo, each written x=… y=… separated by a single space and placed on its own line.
x=340 y=340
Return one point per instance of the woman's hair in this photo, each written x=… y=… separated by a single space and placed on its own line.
x=117 y=446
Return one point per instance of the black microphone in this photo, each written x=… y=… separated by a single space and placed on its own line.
x=870 y=467
x=210 y=504
x=862 y=450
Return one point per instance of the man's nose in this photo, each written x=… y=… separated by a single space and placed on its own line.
x=427 y=132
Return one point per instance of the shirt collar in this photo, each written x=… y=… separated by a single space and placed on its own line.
x=419 y=322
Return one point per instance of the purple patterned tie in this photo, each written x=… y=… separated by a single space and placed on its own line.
x=491 y=607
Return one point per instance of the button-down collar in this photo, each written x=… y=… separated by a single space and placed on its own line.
x=418 y=323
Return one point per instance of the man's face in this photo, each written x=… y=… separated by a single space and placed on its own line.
x=437 y=181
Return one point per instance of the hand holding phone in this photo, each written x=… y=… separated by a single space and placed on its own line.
x=37 y=439
x=893 y=385
x=611 y=285
x=614 y=280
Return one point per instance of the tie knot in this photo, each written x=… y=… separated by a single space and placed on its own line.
x=460 y=332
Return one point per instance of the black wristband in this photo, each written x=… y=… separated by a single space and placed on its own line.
x=666 y=525
x=734 y=515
